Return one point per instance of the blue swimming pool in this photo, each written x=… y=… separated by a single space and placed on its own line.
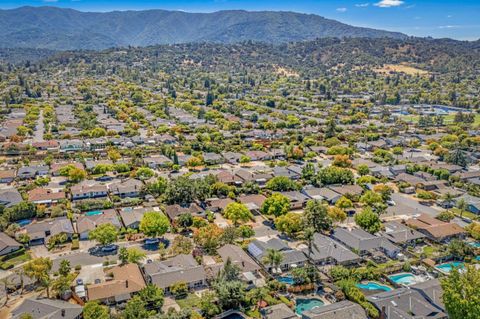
x=403 y=279
x=93 y=213
x=447 y=267
x=24 y=222
x=373 y=286
x=286 y=280
x=475 y=244
x=307 y=304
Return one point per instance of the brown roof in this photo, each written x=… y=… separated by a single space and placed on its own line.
x=256 y=199
x=10 y=173
x=41 y=194
x=435 y=227
x=126 y=279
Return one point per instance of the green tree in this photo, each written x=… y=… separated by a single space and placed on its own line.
x=38 y=269
x=237 y=212
x=64 y=268
x=462 y=206
x=290 y=223
x=154 y=224
x=208 y=237
x=344 y=203
x=179 y=289
x=76 y=175
x=144 y=173
x=276 y=205
x=104 y=234
x=316 y=216
x=130 y=255
x=136 y=309
x=281 y=184
x=152 y=296
x=368 y=220
x=273 y=258
x=92 y=310
x=461 y=295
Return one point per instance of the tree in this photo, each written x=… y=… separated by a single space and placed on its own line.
x=276 y=205
x=281 y=184
x=130 y=255
x=76 y=175
x=344 y=203
x=92 y=310
x=230 y=235
x=237 y=212
x=38 y=269
x=64 y=268
x=335 y=175
x=457 y=157
x=272 y=258
x=371 y=198
x=337 y=214
x=135 y=309
x=179 y=289
x=445 y=216
x=257 y=295
x=368 y=220
x=181 y=245
x=230 y=293
x=461 y=295
x=208 y=306
x=245 y=231
x=290 y=223
x=316 y=216
x=363 y=169
x=144 y=173
x=154 y=224
x=152 y=296
x=104 y=234
x=459 y=249
x=62 y=284
x=208 y=237
x=462 y=205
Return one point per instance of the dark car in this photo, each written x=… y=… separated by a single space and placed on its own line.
x=79 y=282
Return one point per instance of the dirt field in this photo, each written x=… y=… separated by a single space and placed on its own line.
x=401 y=68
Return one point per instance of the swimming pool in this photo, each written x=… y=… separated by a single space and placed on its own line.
x=286 y=280
x=475 y=244
x=403 y=279
x=307 y=304
x=24 y=222
x=447 y=267
x=93 y=213
x=373 y=286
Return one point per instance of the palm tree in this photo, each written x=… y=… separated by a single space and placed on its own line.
x=462 y=205
x=273 y=258
x=308 y=236
x=257 y=295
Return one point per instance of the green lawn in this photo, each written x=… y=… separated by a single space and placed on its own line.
x=472 y=216
x=191 y=301
x=448 y=119
x=19 y=259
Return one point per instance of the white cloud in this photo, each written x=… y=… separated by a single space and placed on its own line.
x=389 y=3
x=362 y=5
x=341 y=9
x=449 y=26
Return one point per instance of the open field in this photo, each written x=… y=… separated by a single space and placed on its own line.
x=402 y=68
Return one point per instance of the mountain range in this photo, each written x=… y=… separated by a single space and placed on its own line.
x=67 y=29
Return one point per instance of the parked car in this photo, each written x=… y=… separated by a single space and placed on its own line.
x=152 y=241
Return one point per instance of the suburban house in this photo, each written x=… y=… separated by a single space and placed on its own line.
x=435 y=229
x=89 y=221
x=47 y=308
x=326 y=251
x=322 y=194
x=297 y=199
x=400 y=234
x=278 y=311
x=45 y=196
x=88 y=191
x=173 y=211
x=364 y=243
x=10 y=197
x=7 y=176
x=181 y=268
x=338 y=310
x=159 y=161
x=132 y=217
x=409 y=303
x=40 y=232
x=30 y=172
x=291 y=258
x=239 y=258
x=127 y=188
x=126 y=280
x=8 y=244
x=253 y=202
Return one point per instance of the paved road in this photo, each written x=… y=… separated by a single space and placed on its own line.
x=409 y=206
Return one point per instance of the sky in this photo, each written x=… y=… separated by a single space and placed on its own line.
x=458 y=19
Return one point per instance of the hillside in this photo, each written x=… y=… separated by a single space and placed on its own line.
x=67 y=29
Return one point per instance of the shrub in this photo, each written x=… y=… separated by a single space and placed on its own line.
x=78 y=267
x=75 y=244
x=6 y=266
